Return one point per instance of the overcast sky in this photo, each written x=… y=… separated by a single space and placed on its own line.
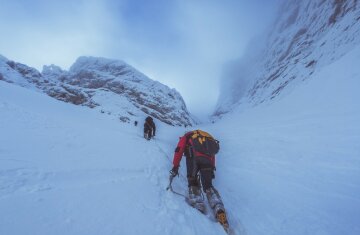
x=181 y=43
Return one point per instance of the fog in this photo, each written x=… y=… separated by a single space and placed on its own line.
x=182 y=43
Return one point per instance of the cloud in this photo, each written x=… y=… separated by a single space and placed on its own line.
x=180 y=43
x=194 y=40
x=42 y=32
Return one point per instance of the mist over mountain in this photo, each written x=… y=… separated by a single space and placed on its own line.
x=305 y=37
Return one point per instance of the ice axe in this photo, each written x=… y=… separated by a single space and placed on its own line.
x=171 y=178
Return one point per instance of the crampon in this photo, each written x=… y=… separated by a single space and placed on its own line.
x=222 y=219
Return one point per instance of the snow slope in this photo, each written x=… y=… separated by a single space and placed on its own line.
x=68 y=170
x=293 y=166
x=290 y=167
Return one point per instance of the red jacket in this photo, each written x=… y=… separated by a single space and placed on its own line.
x=183 y=145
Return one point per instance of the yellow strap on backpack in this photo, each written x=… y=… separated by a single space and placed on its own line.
x=204 y=134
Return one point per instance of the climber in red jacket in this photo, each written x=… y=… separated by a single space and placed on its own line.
x=200 y=148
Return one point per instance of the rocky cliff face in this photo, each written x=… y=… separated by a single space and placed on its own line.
x=111 y=86
x=306 y=36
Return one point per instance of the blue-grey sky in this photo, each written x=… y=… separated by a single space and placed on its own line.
x=181 y=43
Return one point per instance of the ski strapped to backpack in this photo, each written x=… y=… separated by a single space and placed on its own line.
x=204 y=143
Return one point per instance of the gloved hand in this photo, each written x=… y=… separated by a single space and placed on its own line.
x=174 y=171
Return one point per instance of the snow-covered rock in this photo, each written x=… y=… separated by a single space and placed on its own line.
x=111 y=86
x=52 y=71
x=305 y=37
x=48 y=83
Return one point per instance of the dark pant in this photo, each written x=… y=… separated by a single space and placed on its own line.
x=148 y=133
x=203 y=165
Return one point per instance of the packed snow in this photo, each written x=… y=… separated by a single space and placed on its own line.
x=66 y=169
x=291 y=166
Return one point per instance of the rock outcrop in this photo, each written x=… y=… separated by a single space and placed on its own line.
x=111 y=86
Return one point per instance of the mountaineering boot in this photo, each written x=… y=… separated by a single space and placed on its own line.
x=195 y=200
x=217 y=206
x=221 y=217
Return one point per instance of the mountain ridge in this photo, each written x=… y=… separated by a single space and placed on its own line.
x=112 y=86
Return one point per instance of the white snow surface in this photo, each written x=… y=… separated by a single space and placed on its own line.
x=291 y=166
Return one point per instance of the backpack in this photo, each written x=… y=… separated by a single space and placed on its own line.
x=149 y=119
x=204 y=143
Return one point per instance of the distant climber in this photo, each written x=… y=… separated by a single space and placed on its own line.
x=149 y=128
x=135 y=123
x=199 y=148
